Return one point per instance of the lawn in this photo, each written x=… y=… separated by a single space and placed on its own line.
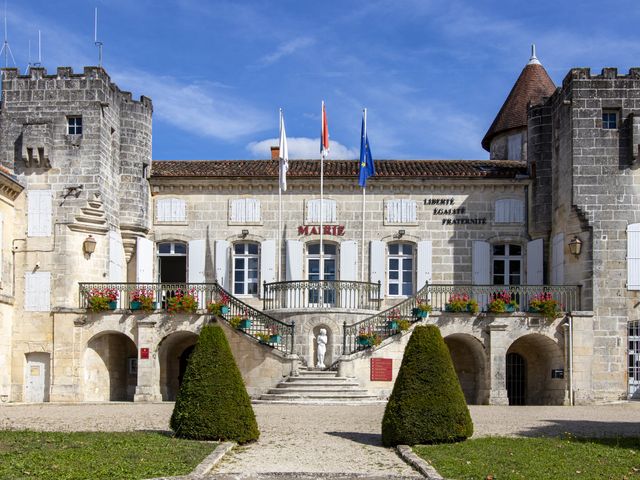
x=132 y=455
x=536 y=458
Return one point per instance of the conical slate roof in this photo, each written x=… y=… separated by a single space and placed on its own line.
x=532 y=84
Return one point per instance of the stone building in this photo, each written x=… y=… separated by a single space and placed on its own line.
x=551 y=213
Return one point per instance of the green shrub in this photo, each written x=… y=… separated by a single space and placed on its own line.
x=427 y=404
x=213 y=403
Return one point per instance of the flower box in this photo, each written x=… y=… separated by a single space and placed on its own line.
x=392 y=325
x=244 y=324
x=509 y=308
x=364 y=341
x=135 y=305
x=275 y=338
x=224 y=309
x=534 y=310
x=113 y=305
x=418 y=312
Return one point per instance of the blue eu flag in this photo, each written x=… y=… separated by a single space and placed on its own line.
x=367 y=168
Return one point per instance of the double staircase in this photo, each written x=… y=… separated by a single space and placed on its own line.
x=318 y=387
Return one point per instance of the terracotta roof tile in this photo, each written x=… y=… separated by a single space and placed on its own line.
x=339 y=168
x=532 y=84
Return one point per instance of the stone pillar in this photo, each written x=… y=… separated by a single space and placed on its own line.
x=498 y=345
x=148 y=387
x=568 y=368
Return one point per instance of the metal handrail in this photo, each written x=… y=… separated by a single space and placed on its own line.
x=322 y=294
x=381 y=324
x=257 y=323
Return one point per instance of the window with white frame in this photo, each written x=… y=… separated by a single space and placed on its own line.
x=74 y=125
x=244 y=210
x=171 y=210
x=401 y=211
x=400 y=269
x=507 y=264
x=509 y=210
x=313 y=211
x=610 y=119
x=245 y=268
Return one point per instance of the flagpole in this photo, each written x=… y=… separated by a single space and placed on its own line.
x=280 y=232
x=321 y=198
x=364 y=190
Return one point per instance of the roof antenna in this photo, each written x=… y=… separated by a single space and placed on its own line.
x=533 y=60
x=95 y=38
x=6 y=49
x=39 y=62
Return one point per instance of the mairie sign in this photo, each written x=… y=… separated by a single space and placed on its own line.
x=336 y=230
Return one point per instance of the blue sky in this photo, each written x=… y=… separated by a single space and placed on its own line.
x=432 y=74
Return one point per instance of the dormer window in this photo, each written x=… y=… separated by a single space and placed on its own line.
x=74 y=125
x=609 y=119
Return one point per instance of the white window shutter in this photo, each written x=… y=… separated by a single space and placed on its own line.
x=514 y=147
x=509 y=210
x=117 y=270
x=294 y=258
x=144 y=260
x=37 y=291
x=222 y=263
x=39 y=211
x=254 y=205
x=233 y=210
x=267 y=263
x=349 y=260
x=557 y=260
x=423 y=264
x=330 y=211
x=161 y=207
x=412 y=211
x=197 y=253
x=535 y=262
x=633 y=256
x=377 y=250
x=401 y=211
x=1 y=246
x=480 y=263
x=181 y=210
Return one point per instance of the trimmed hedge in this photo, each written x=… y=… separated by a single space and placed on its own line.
x=213 y=403
x=427 y=404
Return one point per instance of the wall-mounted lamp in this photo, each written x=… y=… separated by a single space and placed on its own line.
x=575 y=245
x=244 y=233
x=89 y=245
x=401 y=233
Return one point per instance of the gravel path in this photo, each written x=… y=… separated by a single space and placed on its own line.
x=312 y=438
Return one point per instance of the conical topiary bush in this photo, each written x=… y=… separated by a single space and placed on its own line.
x=427 y=404
x=213 y=403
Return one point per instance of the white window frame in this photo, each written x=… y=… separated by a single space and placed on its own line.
x=245 y=211
x=73 y=126
x=312 y=211
x=606 y=124
x=506 y=259
x=171 y=210
x=401 y=276
x=246 y=256
x=400 y=211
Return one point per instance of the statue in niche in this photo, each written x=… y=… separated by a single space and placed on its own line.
x=321 y=341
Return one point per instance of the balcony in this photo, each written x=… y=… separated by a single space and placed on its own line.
x=311 y=295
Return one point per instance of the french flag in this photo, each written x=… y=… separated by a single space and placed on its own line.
x=324 y=135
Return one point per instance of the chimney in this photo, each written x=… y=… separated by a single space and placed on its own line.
x=275 y=153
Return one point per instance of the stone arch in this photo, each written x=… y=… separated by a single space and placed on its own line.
x=541 y=355
x=173 y=351
x=470 y=362
x=310 y=329
x=110 y=367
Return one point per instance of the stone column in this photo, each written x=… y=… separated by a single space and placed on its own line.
x=148 y=388
x=498 y=344
x=568 y=368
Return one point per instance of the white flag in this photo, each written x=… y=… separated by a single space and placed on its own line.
x=284 y=155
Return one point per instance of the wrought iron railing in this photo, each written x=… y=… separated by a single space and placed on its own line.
x=253 y=322
x=567 y=296
x=381 y=325
x=322 y=294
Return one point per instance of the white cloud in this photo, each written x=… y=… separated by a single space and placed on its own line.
x=197 y=107
x=287 y=48
x=302 y=148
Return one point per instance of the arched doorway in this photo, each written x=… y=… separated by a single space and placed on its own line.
x=110 y=372
x=173 y=352
x=469 y=361
x=530 y=363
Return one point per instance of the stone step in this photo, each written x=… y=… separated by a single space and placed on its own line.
x=319 y=379
x=291 y=391
x=323 y=373
x=318 y=396
x=327 y=384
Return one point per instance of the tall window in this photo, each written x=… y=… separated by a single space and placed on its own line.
x=328 y=269
x=172 y=262
x=401 y=271
x=507 y=264
x=74 y=125
x=245 y=269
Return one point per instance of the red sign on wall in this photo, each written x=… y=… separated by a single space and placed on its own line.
x=144 y=353
x=336 y=230
x=381 y=369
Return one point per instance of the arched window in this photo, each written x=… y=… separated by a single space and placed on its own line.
x=245 y=268
x=507 y=264
x=172 y=262
x=400 y=268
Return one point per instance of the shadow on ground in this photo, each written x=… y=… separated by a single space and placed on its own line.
x=374 y=439
x=583 y=428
